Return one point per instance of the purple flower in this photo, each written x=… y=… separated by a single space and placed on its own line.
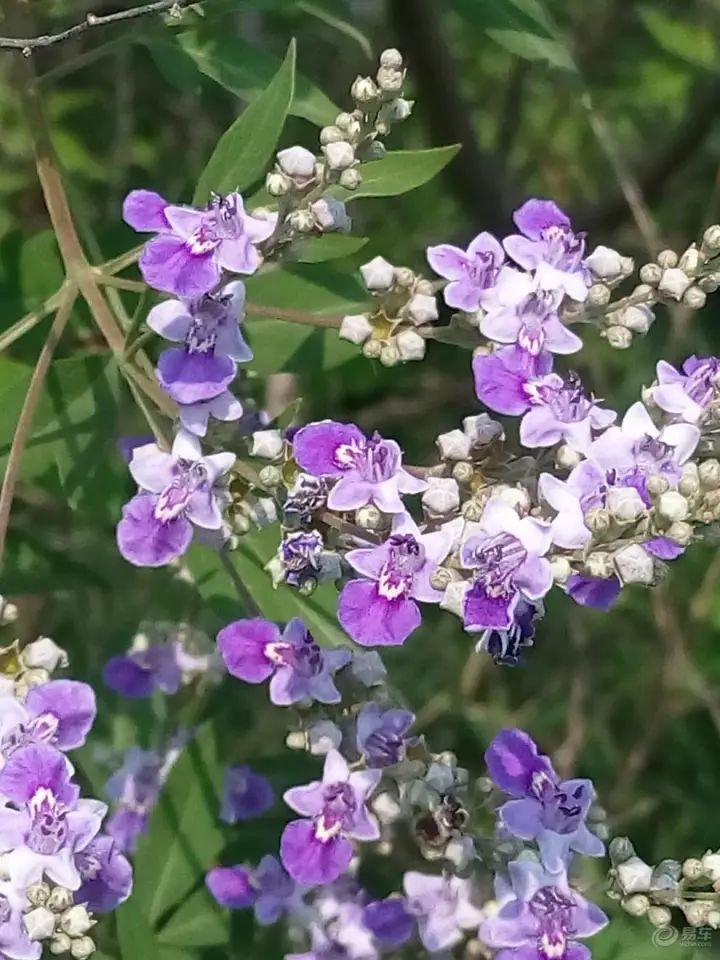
x=518 y=310
x=300 y=553
x=549 y=246
x=135 y=787
x=105 y=873
x=367 y=470
x=209 y=330
x=686 y=395
x=140 y=673
x=125 y=827
x=194 y=416
x=593 y=591
x=43 y=824
x=389 y=922
x=560 y=411
x=276 y=892
x=231 y=887
x=443 y=908
x=550 y=811
x=177 y=491
x=541 y=917
x=381 y=610
x=507 y=557
x=505 y=646
x=15 y=943
x=382 y=734
x=246 y=795
x=318 y=849
x=194 y=246
x=59 y=713
x=254 y=650
x=503 y=378
x=469 y=272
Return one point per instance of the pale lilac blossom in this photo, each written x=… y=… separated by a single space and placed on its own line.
x=443 y=908
x=470 y=271
x=687 y=394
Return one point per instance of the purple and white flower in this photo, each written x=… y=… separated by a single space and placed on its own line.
x=687 y=394
x=443 y=908
x=105 y=873
x=178 y=491
x=382 y=734
x=561 y=411
x=505 y=646
x=255 y=650
x=390 y=922
x=268 y=889
x=381 y=608
x=470 y=271
x=140 y=673
x=59 y=713
x=504 y=379
x=193 y=246
x=246 y=795
x=367 y=470
x=318 y=849
x=546 y=809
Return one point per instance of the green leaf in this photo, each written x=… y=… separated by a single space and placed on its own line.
x=184 y=837
x=198 y=921
x=242 y=153
x=331 y=246
x=342 y=26
x=134 y=931
x=40 y=269
x=401 y=171
x=531 y=46
x=510 y=14
x=683 y=38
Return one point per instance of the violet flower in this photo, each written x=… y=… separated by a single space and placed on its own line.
x=549 y=247
x=246 y=795
x=382 y=734
x=381 y=610
x=44 y=824
x=177 y=491
x=560 y=411
x=518 y=310
x=469 y=271
x=140 y=673
x=318 y=849
x=687 y=394
x=59 y=713
x=506 y=646
x=194 y=417
x=443 y=908
x=593 y=591
x=105 y=873
x=231 y=887
x=541 y=917
x=507 y=557
x=390 y=922
x=367 y=470
x=255 y=650
x=135 y=787
x=546 y=809
x=193 y=246
x=503 y=379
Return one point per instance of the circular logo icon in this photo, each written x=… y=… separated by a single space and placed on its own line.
x=665 y=936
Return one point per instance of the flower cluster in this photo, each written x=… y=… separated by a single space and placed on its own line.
x=59 y=863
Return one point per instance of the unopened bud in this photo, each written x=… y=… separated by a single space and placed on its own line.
x=391 y=58
x=339 y=155
x=454 y=597
x=440 y=578
x=331 y=213
x=411 y=346
x=696 y=912
x=277 y=184
x=301 y=221
x=39 y=923
x=59 y=900
x=635 y=565
x=598 y=521
x=270 y=476
x=695 y=298
x=355 y=327
x=651 y=273
x=672 y=506
x=377 y=274
x=404 y=277
x=689 y=487
x=637 y=318
x=76 y=921
x=482 y=429
x=656 y=485
x=463 y=472
x=390 y=355
x=680 y=533
x=60 y=944
x=472 y=509
x=667 y=259
x=442 y=496
x=390 y=80
x=598 y=295
x=350 y=178
x=82 y=948
x=268 y=444
x=43 y=654
x=323 y=737
x=618 y=337
x=566 y=458
x=625 y=504
x=298 y=163
x=561 y=569
x=422 y=309
x=364 y=90
x=599 y=564
x=38 y=894
x=692 y=868
x=369 y=517
x=372 y=349
x=711 y=861
x=331 y=135
x=349 y=124
x=637 y=905
x=605 y=263
x=454 y=445
x=397 y=110
x=709 y=474
x=711 y=238
x=659 y=916
x=674 y=283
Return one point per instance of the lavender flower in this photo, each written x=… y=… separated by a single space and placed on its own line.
x=177 y=491
x=469 y=272
x=382 y=734
x=506 y=646
x=503 y=379
x=193 y=246
x=59 y=713
x=389 y=922
x=194 y=417
x=687 y=394
x=381 y=609
x=318 y=849
x=443 y=908
x=549 y=246
x=231 y=887
x=541 y=917
x=550 y=811
x=255 y=650
x=367 y=470
x=105 y=873
x=593 y=591
x=507 y=557
x=15 y=943
x=560 y=411
x=246 y=795
x=141 y=672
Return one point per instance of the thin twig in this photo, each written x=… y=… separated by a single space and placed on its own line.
x=26 y=45
x=332 y=321
x=30 y=320
x=25 y=420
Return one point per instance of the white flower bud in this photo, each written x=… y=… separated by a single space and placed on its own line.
x=389 y=355
x=599 y=564
x=296 y=740
x=460 y=851
x=635 y=565
x=651 y=273
x=76 y=921
x=454 y=445
x=422 y=309
x=657 y=485
x=270 y=476
x=59 y=900
x=561 y=569
x=364 y=89
x=692 y=868
x=627 y=266
x=637 y=905
x=39 y=923
x=638 y=318
x=404 y=277
x=277 y=184
x=268 y=444
x=350 y=178
x=696 y=912
x=38 y=894
x=369 y=517
x=566 y=458
x=330 y=214
x=298 y=163
x=390 y=80
x=425 y=287
x=349 y=124
x=367 y=667
x=82 y=949
x=473 y=508
x=440 y=777
x=690 y=260
x=598 y=521
x=709 y=474
x=634 y=875
x=454 y=597
x=60 y=944
x=619 y=337
x=44 y=654
x=667 y=259
x=355 y=327
x=441 y=577
x=711 y=238
x=625 y=504
x=605 y=263
x=711 y=861
x=516 y=497
x=695 y=298
x=301 y=221
x=340 y=155
x=411 y=346
x=442 y=496
x=482 y=429
x=397 y=110
x=372 y=349
x=377 y=274
x=323 y=737
x=331 y=135
x=392 y=59
x=672 y=506
x=375 y=150
x=659 y=916
x=8 y=612
x=674 y=282
x=598 y=295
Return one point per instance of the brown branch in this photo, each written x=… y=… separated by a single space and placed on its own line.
x=25 y=420
x=26 y=45
x=294 y=316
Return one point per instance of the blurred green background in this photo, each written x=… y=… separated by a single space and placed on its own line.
x=580 y=100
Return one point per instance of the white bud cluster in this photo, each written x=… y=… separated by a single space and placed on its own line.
x=54 y=918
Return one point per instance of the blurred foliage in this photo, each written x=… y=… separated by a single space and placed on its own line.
x=632 y=698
